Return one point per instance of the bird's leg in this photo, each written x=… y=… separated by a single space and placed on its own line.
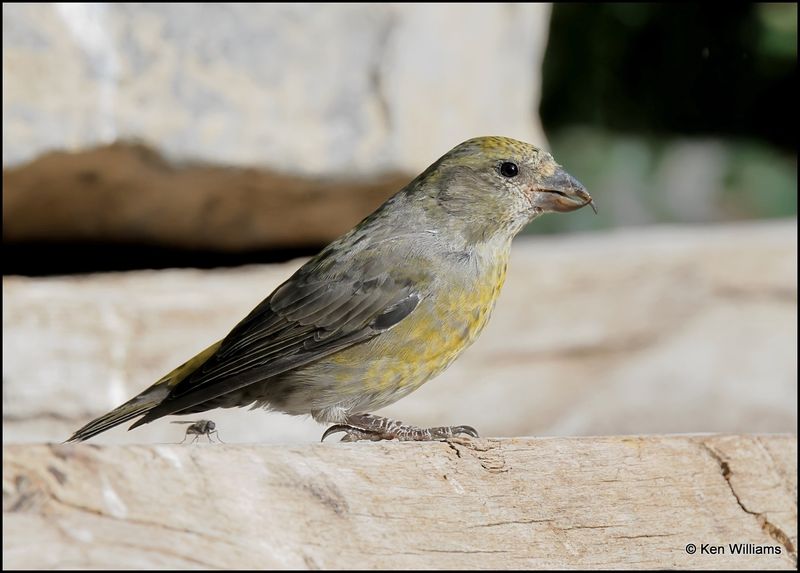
x=375 y=428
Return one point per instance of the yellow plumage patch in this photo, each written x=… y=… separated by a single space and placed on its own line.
x=426 y=342
x=188 y=367
x=497 y=146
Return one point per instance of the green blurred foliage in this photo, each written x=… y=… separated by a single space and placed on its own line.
x=639 y=180
x=777 y=38
x=678 y=113
x=674 y=68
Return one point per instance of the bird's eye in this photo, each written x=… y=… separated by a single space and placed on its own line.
x=508 y=169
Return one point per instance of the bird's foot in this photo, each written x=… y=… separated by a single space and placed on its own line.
x=375 y=428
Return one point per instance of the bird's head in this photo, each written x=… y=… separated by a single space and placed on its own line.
x=498 y=184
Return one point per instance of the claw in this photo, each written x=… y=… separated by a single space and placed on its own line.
x=336 y=429
x=469 y=430
x=353 y=434
x=446 y=432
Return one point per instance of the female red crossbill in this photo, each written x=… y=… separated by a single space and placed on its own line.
x=382 y=309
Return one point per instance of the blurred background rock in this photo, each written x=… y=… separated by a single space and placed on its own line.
x=141 y=137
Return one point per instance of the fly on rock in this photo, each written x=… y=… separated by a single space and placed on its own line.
x=199 y=428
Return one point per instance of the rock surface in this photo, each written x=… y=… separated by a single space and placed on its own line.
x=299 y=88
x=232 y=129
x=564 y=503
x=129 y=194
x=641 y=331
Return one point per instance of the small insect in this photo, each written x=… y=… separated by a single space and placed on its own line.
x=199 y=428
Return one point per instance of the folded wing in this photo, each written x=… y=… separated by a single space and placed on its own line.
x=303 y=320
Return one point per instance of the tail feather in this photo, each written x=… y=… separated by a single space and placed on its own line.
x=114 y=418
x=145 y=401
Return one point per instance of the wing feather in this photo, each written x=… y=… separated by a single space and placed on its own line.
x=302 y=321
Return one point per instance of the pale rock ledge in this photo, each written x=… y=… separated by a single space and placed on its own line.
x=596 y=502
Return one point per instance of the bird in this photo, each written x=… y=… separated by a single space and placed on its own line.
x=380 y=310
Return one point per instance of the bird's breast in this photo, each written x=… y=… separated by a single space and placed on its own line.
x=375 y=373
x=444 y=324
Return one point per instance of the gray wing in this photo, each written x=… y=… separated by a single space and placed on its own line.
x=303 y=320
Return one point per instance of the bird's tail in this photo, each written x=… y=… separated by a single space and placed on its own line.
x=145 y=401
x=129 y=410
